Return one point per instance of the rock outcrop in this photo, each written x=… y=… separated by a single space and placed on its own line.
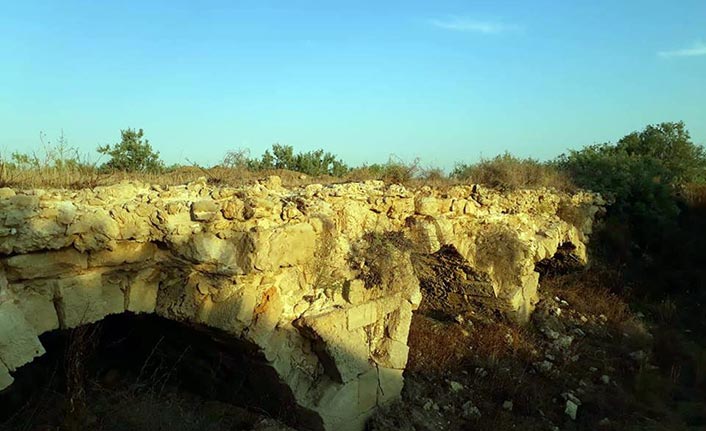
x=319 y=279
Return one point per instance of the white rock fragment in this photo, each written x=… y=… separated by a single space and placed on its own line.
x=571 y=409
x=470 y=411
x=456 y=386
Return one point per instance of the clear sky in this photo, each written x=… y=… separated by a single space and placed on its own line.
x=442 y=80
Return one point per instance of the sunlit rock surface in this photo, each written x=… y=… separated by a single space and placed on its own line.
x=318 y=278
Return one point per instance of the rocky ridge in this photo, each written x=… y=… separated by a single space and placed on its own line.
x=318 y=279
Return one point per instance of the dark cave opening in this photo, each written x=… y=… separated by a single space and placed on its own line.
x=144 y=372
x=564 y=261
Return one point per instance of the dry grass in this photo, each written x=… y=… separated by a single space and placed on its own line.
x=591 y=292
x=87 y=177
x=509 y=172
x=502 y=172
x=498 y=247
x=378 y=257
x=82 y=342
x=438 y=347
x=80 y=177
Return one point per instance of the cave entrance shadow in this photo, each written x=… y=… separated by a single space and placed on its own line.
x=144 y=372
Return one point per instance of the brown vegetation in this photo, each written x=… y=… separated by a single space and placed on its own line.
x=509 y=172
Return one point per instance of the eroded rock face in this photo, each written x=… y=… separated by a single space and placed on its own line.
x=319 y=278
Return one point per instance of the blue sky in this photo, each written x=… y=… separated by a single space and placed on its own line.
x=444 y=81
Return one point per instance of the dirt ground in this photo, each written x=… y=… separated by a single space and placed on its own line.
x=584 y=362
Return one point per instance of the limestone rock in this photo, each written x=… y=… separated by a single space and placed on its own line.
x=51 y=264
x=204 y=210
x=18 y=340
x=5 y=377
x=124 y=252
x=318 y=280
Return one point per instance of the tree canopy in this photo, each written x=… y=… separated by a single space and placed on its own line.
x=131 y=154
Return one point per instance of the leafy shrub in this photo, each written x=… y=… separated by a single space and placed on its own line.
x=509 y=172
x=132 y=154
x=641 y=175
x=313 y=163
x=638 y=186
x=670 y=144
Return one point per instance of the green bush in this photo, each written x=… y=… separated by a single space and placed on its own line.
x=640 y=175
x=637 y=185
x=671 y=146
x=314 y=163
x=132 y=154
x=509 y=172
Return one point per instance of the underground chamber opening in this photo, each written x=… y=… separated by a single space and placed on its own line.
x=564 y=261
x=144 y=372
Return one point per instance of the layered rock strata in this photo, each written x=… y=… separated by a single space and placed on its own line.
x=318 y=278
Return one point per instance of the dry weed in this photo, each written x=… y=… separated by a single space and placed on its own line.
x=591 y=292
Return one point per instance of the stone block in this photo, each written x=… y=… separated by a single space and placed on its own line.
x=35 y=298
x=233 y=209
x=18 y=339
x=362 y=315
x=228 y=257
x=391 y=383
x=6 y=192
x=339 y=402
x=88 y=298
x=289 y=245
x=392 y=354
x=66 y=212
x=398 y=323
x=367 y=390
x=345 y=353
x=231 y=314
x=122 y=253
x=354 y=291
x=390 y=303
x=426 y=205
x=266 y=315
x=142 y=291
x=45 y=264
x=98 y=222
x=204 y=210
x=277 y=344
x=5 y=377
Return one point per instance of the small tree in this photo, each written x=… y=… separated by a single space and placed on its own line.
x=132 y=154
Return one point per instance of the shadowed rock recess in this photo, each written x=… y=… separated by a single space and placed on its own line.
x=318 y=278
